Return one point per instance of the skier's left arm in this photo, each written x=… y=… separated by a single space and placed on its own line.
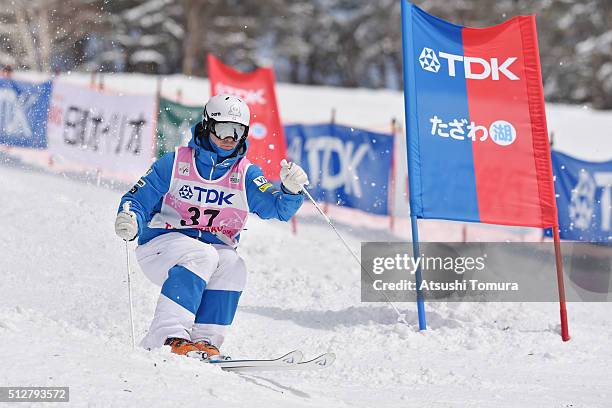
x=266 y=200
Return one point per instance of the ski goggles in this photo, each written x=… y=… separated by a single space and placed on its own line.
x=228 y=130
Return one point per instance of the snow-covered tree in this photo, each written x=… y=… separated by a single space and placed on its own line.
x=144 y=36
x=331 y=42
x=47 y=34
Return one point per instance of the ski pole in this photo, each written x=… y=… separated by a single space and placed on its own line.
x=400 y=316
x=126 y=208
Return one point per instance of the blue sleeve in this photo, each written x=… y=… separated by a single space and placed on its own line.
x=148 y=191
x=267 y=201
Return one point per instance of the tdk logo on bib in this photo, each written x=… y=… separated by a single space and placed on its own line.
x=186 y=192
x=473 y=67
x=205 y=195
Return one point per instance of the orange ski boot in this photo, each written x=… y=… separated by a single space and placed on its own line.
x=184 y=348
x=210 y=350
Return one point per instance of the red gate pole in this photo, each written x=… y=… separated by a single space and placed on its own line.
x=561 y=285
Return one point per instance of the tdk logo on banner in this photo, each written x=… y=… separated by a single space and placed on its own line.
x=207 y=195
x=250 y=96
x=474 y=67
x=14 y=112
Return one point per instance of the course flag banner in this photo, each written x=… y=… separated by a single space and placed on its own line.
x=110 y=133
x=476 y=125
x=266 y=140
x=23 y=113
x=584 y=199
x=346 y=166
x=174 y=122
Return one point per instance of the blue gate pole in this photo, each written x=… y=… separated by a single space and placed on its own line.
x=415 y=253
x=411 y=130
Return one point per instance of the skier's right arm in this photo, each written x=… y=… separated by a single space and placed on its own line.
x=149 y=189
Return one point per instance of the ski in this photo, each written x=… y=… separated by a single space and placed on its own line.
x=322 y=361
x=288 y=359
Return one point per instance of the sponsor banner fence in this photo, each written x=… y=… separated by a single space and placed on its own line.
x=110 y=133
x=584 y=199
x=346 y=166
x=23 y=113
x=174 y=124
x=266 y=141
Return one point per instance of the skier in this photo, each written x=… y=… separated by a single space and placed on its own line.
x=188 y=211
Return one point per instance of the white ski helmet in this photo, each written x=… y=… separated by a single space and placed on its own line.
x=226 y=116
x=226 y=108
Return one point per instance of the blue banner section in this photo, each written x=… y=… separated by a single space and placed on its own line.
x=441 y=170
x=24 y=108
x=346 y=166
x=584 y=199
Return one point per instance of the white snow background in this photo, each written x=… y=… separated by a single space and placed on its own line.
x=64 y=306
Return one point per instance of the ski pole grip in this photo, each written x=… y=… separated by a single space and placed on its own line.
x=126 y=206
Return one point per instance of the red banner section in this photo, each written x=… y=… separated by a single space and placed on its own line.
x=267 y=145
x=513 y=174
x=477 y=140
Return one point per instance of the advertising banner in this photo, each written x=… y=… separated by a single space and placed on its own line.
x=174 y=123
x=110 y=133
x=24 y=110
x=584 y=198
x=267 y=145
x=346 y=166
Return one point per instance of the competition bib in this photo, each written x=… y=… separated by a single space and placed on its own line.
x=216 y=206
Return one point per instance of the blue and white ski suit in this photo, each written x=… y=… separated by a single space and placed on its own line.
x=201 y=277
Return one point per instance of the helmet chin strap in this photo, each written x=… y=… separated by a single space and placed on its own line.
x=240 y=144
x=201 y=132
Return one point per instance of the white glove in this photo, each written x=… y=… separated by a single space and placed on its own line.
x=126 y=224
x=293 y=177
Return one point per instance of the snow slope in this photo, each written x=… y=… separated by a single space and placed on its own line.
x=64 y=322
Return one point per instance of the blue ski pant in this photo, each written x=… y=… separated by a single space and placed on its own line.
x=200 y=284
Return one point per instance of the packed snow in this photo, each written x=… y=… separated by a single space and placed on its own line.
x=64 y=321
